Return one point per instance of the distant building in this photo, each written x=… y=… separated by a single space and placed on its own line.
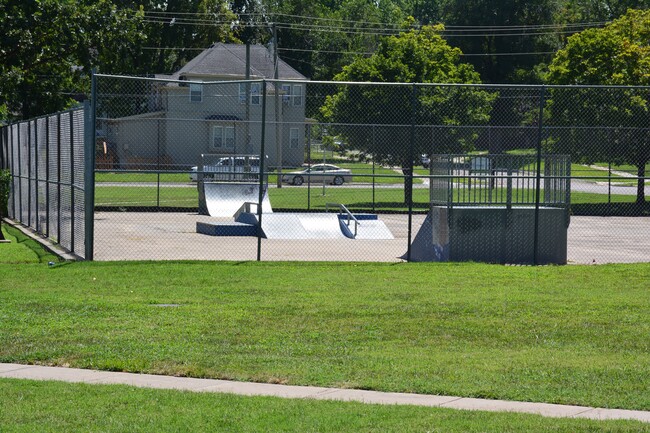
x=212 y=115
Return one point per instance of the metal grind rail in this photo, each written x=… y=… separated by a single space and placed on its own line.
x=343 y=209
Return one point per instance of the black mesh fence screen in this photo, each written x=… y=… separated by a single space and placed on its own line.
x=300 y=170
x=44 y=155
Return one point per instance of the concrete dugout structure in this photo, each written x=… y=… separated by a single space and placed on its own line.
x=496 y=209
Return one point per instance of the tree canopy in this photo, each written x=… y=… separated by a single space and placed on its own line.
x=378 y=119
x=47 y=47
x=617 y=54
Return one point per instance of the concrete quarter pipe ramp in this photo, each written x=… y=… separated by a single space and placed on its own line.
x=223 y=199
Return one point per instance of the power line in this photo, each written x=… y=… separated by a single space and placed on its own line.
x=367 y=31
x=173 y=48
x=358 y=53
x=387 y=32
x=393 y=26
x=324 y=51
x=462 y=54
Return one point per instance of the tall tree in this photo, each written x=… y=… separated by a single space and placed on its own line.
x=252 y=24
x=618 y=54
x=48 y=47
x=502 y=56
x=176 y=31
x=319 y=38
x=378 y=119
x=583 y=11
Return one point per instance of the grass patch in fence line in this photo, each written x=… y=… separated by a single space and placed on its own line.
x=22 y=249
x=391 y=199
x=30 y=406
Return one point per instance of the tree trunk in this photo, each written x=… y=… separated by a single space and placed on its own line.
x=408 y=185
x=640 y=188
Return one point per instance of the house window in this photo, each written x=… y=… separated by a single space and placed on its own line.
x=286 y=93
x=294 y=138
x=223 y=136
x=196 y=92
x=255 y=92
x=296 y=95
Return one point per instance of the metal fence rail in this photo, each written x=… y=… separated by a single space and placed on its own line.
x=500 y=180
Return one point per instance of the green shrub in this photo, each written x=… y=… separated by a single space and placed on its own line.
x=5 y=184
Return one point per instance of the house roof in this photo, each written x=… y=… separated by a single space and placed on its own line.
x=230 y=60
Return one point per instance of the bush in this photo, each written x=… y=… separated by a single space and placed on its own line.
x=5 y=185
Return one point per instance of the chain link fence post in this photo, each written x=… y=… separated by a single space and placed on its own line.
x=260 y=198
x=538 y=174
x=90 y=112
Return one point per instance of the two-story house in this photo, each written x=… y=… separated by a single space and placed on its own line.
x=205 y=108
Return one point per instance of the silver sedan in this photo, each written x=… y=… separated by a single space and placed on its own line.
x=319 y=173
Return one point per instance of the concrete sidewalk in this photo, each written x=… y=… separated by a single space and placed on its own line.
x=35 y=372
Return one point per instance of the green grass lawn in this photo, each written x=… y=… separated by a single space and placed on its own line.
x=22 y=249
x=297 y=198
x=362 y=173
x=135 y=177
x=30 y=406
x=573 y=334
x=625 y=167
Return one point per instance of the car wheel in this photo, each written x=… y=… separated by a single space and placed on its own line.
x=338 y=180
x=298 y=180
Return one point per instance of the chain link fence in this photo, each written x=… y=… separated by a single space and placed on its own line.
x=46 y=159
x=300 y=170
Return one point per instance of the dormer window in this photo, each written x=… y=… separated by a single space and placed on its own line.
x=196 y=92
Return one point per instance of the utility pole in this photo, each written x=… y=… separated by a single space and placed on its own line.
x=247 y=75
x=278 y=107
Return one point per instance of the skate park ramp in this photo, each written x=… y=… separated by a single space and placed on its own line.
x=223 y=199
x=317 y=226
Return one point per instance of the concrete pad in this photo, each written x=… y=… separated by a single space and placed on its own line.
x=605 y=414
x=545 y=409
x=156 y=381
x=37 y=372
x=4 y=368
x=376 y=397
x=267 y=389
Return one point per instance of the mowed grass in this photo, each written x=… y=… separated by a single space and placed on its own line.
x=571 y=335
x=301 y=198
x=31 y=406
x=22 y=249
x=52 y=406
